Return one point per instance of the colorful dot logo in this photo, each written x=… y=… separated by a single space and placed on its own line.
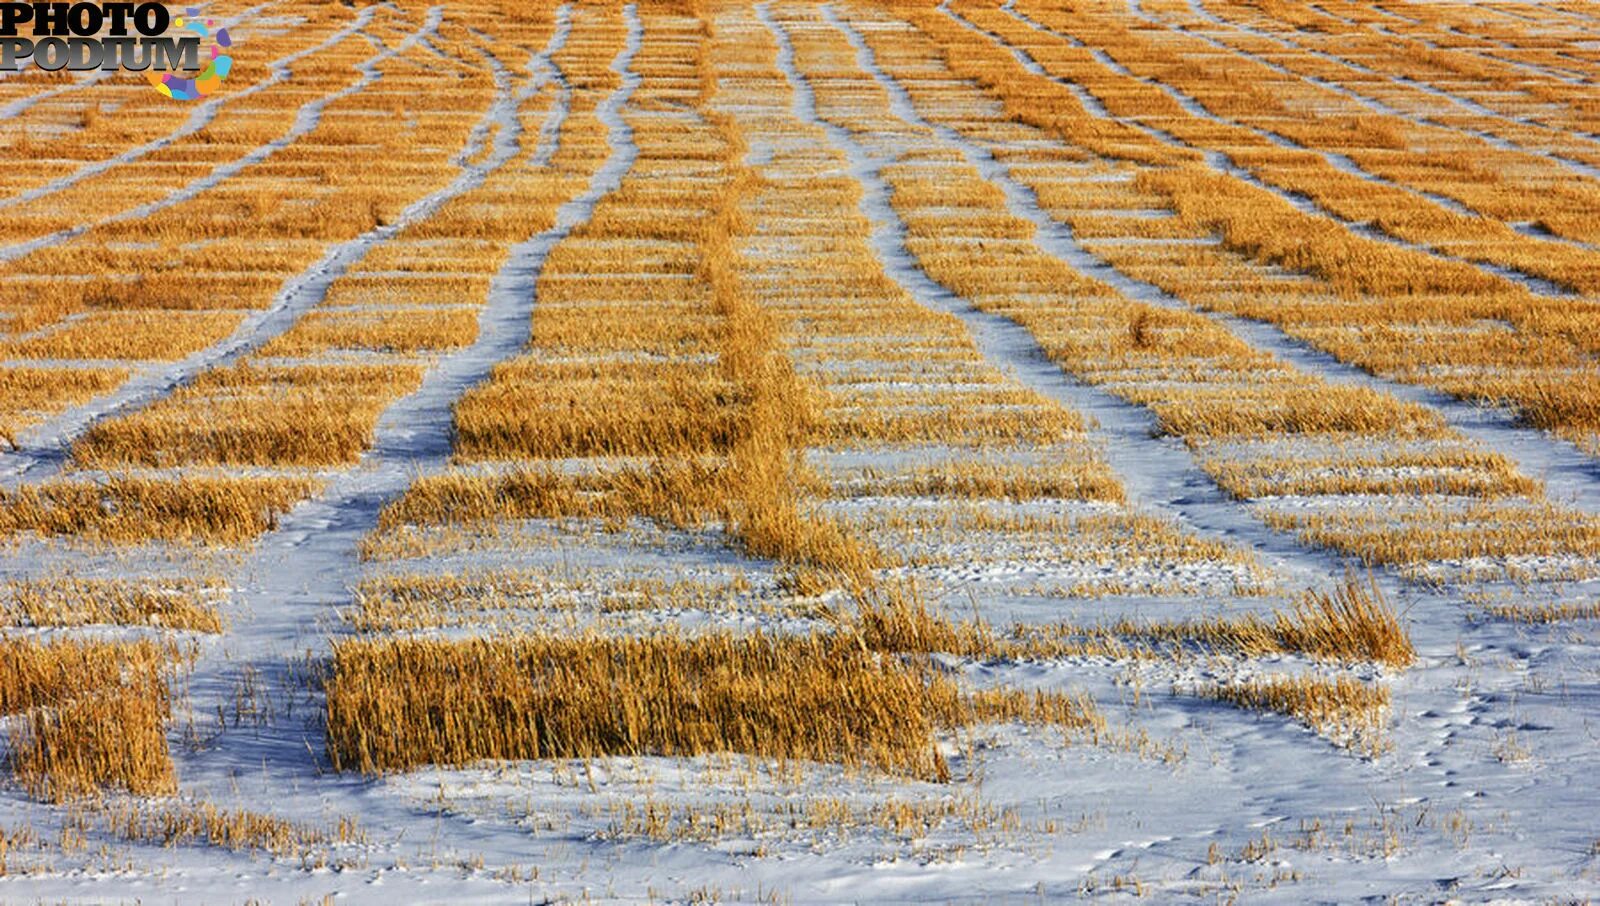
x=181 y=89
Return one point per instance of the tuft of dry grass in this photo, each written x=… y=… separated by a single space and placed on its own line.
x=115 y=738
x=1079 y=475
x=394 y=704
x=1462 y=471
x=378 y=331
x=254 y=415
x=187 y=823
x=166 y=336
x=211 y=510
x=1347 y=711
x=539 y=409
x=174 y=604
x=37 y=674
x=413 y=600
x=1351 y=623
x=92 y=715
x=1438 y=531
x=681 y=493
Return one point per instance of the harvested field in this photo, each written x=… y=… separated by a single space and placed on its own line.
x=807 y=451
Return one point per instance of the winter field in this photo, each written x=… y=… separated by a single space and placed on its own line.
x=863 y=451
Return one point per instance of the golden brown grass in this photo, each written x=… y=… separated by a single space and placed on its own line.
x=532 y=409
x=39 y=674
x=599 y=327
x=357 y=291
x=892 y=372
x=1351 y=623
x=211 y=510
x=399 y=703
x=943 y=416
x=1545 y=612
x=766 y=472
x=414 y=600
x=323 y=413
x=1105 y=533
x=33 y=394
x=186 y=823
x=1349 y=290
x=1214 y=385
x=152 y=284
x=254 y=415
x=99 y=136
x=1201 y=381
x=377 y=331
x=699 y=379
x=115 y=738
x=1273 y=411
x=646 y=344
x=1371 y=140
x=1349 y=712
x=1524 y=367
x=1437 y=531
x=179 y=603
x=92 y=715
x=278 y=215
x=1454 y=471
x=1072 y=477
x=1034 y=100
x=663 y=821
x=128 y=335
x=679 y=493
